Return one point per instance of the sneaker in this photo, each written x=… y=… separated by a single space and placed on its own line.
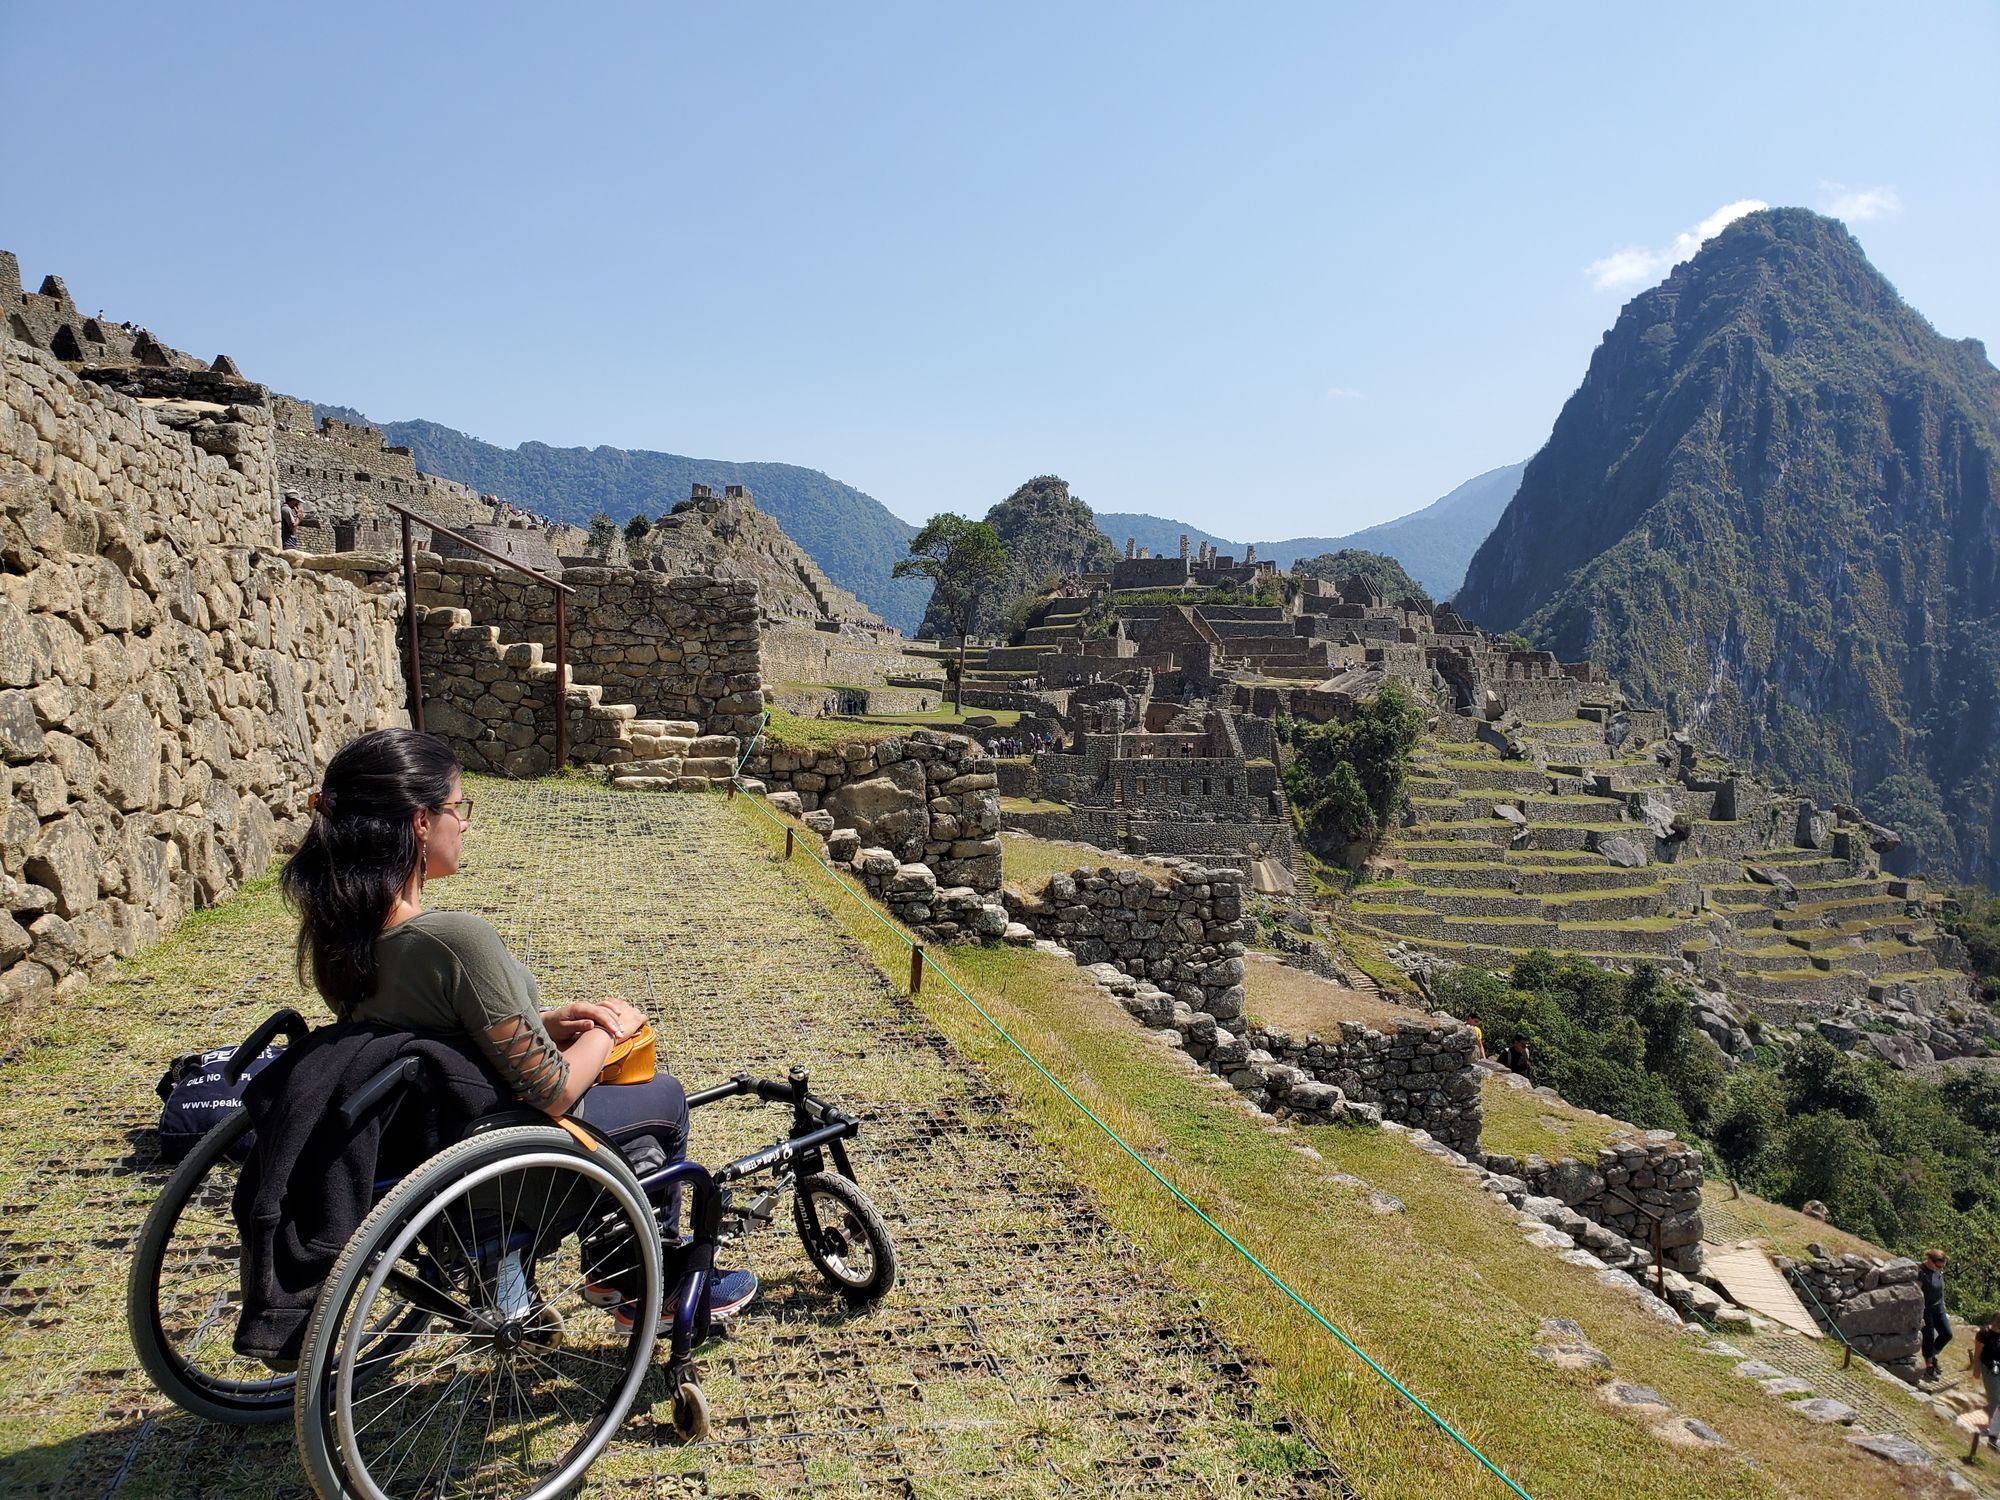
x=728 y=1293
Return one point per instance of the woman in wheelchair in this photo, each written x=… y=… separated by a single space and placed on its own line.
x=390 y=814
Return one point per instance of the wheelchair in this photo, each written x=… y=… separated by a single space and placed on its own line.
x=465 y=1341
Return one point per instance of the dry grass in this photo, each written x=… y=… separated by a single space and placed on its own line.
x=1028 y=1349
x=1029 y=861
x=1520 y=1123
x=1279 y=995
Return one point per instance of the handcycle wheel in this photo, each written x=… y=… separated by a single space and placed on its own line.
x=844 y=1236
x=517 y=1383
x=690 y=1413
x=184 y=1291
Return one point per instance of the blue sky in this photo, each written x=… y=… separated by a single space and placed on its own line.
x=1271 y=270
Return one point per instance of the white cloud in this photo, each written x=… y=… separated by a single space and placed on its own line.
x=1858 y=205
x=1639 y=265
x=1342 y=393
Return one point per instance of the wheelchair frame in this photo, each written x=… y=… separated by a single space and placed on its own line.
x=797 y=1162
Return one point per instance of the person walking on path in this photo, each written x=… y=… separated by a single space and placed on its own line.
x=1986 y=1363
x=1937 y=1322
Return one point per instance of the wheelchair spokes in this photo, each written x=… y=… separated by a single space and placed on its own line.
x=516 y=1382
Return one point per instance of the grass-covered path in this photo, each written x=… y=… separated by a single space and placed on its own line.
x=1028 y=1350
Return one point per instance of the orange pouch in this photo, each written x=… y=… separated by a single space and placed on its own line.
x=631 y=1060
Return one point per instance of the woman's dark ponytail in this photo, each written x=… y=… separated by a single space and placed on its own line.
x=358 y=852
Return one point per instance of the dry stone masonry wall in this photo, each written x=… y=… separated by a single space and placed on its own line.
x=1629 y=1185
x=1420 y=1075
x=169 y=683
x=927 y=798
x=674 y=648
x=1876 y=1305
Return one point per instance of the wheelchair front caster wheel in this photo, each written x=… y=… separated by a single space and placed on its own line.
x=690 y=1413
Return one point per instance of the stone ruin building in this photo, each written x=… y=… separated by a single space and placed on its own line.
x=172 y=682
x=1545 y=809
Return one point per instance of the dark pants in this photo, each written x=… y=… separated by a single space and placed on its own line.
x=1937 y=1331
x=639 y=1116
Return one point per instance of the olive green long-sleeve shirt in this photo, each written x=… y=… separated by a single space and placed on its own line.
x=449 y=972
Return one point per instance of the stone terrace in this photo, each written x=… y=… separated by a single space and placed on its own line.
x=1027 y=1349
x=1545 y=835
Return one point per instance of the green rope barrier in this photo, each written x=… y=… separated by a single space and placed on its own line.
x=1186 y=1202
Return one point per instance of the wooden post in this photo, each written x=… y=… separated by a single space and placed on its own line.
x=788 y=843
x=732 y=789
x=410 y=626
x=916 y=968
x=1659 y=1265
x=1848 y=1358
x=562 y=683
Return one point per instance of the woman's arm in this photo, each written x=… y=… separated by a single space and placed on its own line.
x=585 y=1057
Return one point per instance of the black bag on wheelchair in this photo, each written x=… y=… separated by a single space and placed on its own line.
x=195 y=1098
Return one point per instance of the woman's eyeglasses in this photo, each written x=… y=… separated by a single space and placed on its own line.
x=461 y=809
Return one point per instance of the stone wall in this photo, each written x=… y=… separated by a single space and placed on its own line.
x=674 y=648
x=929 y=798
x=1876 y=1304
x=1420 y=1075
x=1661 y=1174
x=1182 y=930
x=170 y=685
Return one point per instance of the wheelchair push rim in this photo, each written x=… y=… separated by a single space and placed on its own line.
x=517 y=1384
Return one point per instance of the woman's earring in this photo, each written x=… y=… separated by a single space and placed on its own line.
x=423 y=861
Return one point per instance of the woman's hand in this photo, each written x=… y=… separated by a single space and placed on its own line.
x=566 y=1023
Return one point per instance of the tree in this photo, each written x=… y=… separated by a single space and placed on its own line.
x=961 y=558
x=1346 y=777
x=603 y=534
x=637 y=527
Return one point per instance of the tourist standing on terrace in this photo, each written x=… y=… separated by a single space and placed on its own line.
x=1937 y=1322
x=1986 y=1361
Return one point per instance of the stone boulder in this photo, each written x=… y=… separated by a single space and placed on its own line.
x=1622 y=849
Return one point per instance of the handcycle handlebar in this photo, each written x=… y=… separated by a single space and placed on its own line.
x=287 y=1023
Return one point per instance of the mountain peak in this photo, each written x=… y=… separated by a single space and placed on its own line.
x=1769 y=509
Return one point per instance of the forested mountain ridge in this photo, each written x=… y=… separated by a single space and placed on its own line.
x=853 y=537
x=1048 y=533
x=1770 y=508
x=1433 y=543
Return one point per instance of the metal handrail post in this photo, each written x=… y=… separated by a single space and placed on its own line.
x=562 y=684
x=410 y=626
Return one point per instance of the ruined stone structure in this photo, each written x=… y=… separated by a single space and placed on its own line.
x=170 y=684
x=1875 y=1304
x=345 y=471
x=929 y=798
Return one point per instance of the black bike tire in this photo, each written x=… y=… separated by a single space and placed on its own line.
x=169 y=1371
x=881 y=1247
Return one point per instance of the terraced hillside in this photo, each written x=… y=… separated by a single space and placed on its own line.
x=1551 y=836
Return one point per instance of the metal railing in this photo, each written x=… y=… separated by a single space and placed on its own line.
x=562 y=591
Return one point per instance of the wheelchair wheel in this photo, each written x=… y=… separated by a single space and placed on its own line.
x=844 y=1236
x=516 y=1383
x=183 y=1292
x=690 y=1413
